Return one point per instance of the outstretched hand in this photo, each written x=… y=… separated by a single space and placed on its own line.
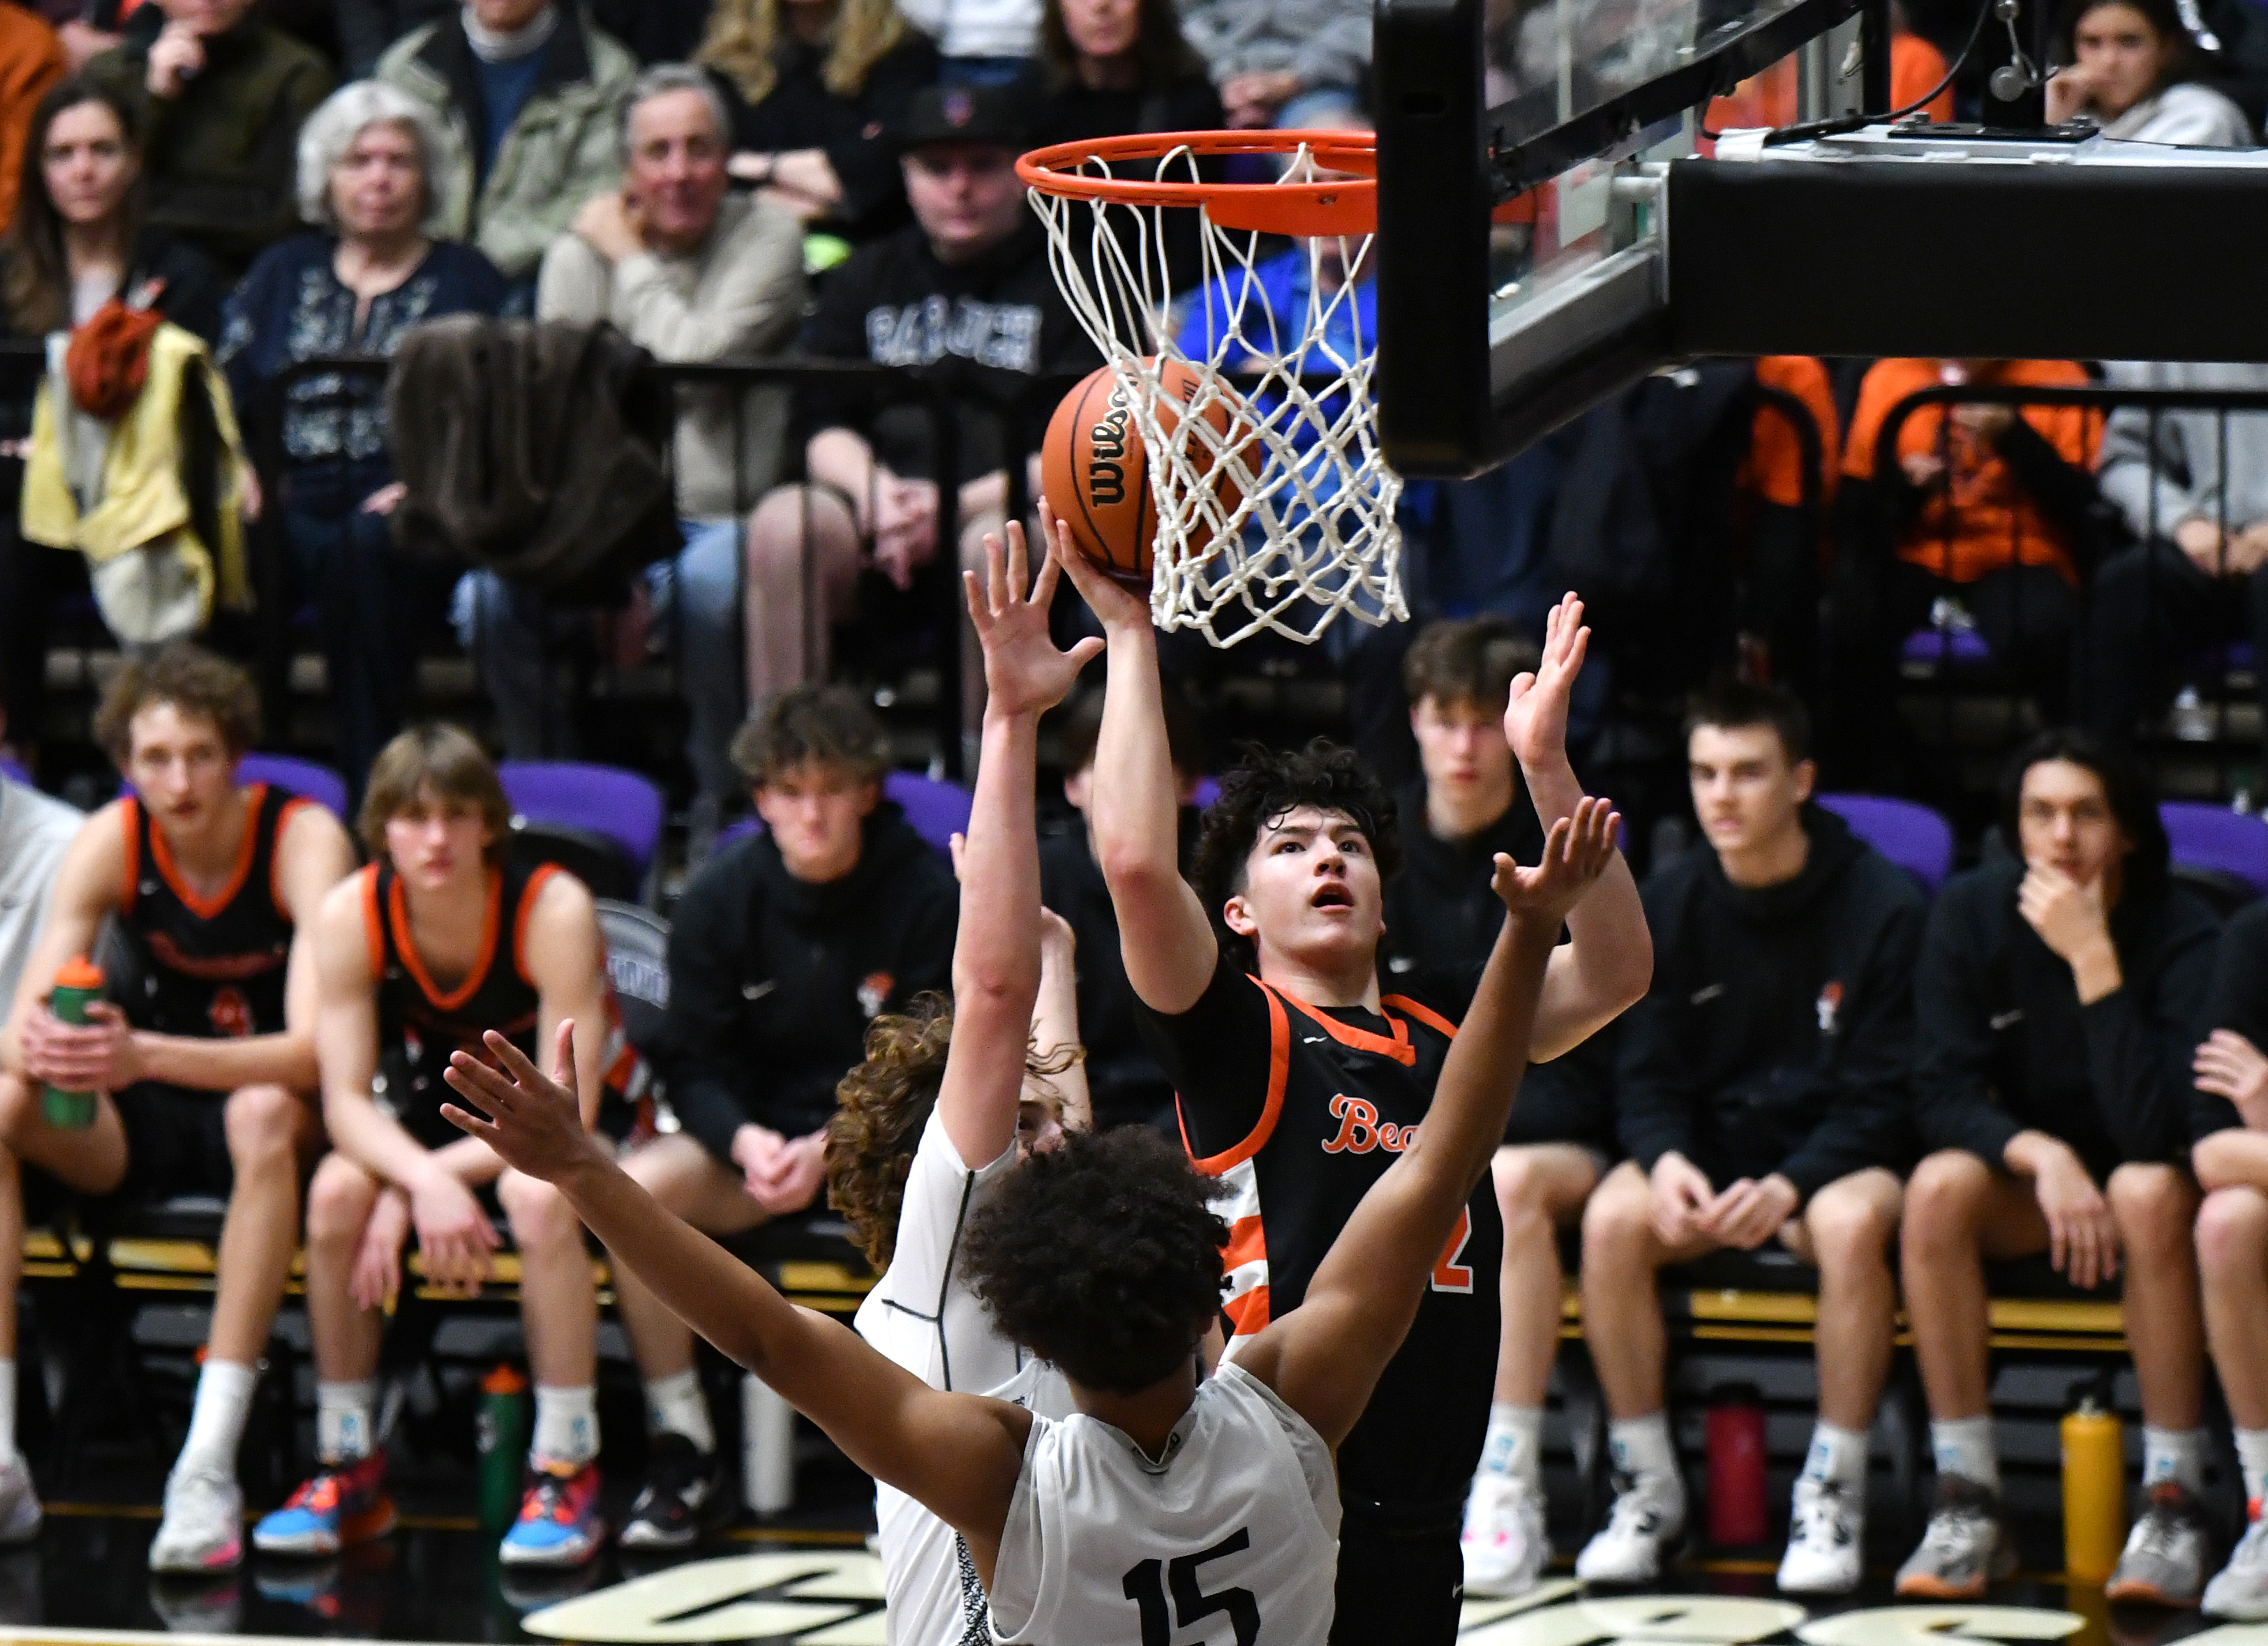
x=1115 y=606
x=536 y=1125
x=1024 y=673
x=1536 y=715
x=1575 y=853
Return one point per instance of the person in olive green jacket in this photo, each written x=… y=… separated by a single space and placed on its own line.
x=532 y=92
x=222 y=101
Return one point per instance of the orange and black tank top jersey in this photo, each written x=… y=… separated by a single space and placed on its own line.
x=209 y=967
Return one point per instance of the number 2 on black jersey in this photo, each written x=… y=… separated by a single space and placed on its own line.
x=1146 y=1586
x=1449 y=1275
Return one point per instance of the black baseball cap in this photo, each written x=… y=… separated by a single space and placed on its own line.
x=963 y=113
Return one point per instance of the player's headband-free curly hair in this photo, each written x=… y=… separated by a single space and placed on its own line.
x=1267 y=786
x=195 y=681
x=1102 y=1257
x=883 y=1105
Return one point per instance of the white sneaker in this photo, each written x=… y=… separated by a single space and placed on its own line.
x=1649 y=1511
x=1504 y=1543
x=1826 y=1538
x=203 y=1527
x=2240 y=1590
x=20 y=1513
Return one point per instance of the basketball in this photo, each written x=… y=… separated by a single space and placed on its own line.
x=1096 y=475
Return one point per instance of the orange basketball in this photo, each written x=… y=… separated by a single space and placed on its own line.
x=1096 y=474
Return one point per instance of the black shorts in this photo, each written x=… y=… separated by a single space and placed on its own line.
x=1403 y=1582
x=176 y=1142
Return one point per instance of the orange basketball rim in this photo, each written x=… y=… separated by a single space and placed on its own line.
x=1341 y=201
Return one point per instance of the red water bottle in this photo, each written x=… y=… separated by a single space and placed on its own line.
x=1736 y=1466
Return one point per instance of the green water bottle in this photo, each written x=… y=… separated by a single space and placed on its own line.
x=78 y=986
x=503 y=1430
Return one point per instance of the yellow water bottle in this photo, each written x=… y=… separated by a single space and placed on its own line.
x=2094 y=1492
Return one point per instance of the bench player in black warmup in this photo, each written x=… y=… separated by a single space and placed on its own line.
x=1298 y=1080
x=439 y=940
x=205 y=1060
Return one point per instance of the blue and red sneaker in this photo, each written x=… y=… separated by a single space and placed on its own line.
x=339 y=1507
x=559 y=1523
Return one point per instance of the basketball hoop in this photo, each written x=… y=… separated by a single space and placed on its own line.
x=1302 y=529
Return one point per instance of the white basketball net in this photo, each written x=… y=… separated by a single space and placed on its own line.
x=1302 y=527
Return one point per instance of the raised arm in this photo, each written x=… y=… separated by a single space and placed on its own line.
x=1325 y=1356
x=996 y=954
x=1055 y=1022
x=1605 y=969
x=1168 y=939
x=958 y=1454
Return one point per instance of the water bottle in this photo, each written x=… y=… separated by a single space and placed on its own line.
x=502 y=1433
x=2094 y=1492
x=1735 y=1447
x=78 y=985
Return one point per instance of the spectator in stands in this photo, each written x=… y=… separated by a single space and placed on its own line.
x=1982 y=525
x=1109 y=68
x=692 y=274
x=2131 y=66
x=32 y=63
x=964 y=290
x=979 y=42
x=532 y=92
x=222 y=96
x=2198 y=572
x=34 y=830
x=1124 y=1083
x=1294 y=63
x=1761 y=1088
x=201 y=1063
x=440 y=940
x=367 y=27
x=817 y=86
x=80 y=238
x=2058 y=1001
x=2230 y=1113
x=370 y=162
x=787 y=946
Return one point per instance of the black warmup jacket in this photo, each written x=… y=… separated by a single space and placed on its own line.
x=2007 y=1048
x=1777 y=1035
x=773 y=981
x=1441 y=914
x=2238 y=1001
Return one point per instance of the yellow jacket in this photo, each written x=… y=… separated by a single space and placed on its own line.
x=143 y=502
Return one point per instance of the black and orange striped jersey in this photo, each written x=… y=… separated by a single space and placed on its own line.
x=1299 y=1109
x=209 y=967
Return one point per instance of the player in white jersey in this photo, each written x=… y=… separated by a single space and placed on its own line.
x=1160 y=1503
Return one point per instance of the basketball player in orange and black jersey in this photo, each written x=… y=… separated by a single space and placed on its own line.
x=439 y=940
x=1298 y=1081
x=203 y=1060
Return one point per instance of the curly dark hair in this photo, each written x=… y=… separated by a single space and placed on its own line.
x=1102 y=1257
x=190 y=678
x=1266 y=785
x=882 y=1107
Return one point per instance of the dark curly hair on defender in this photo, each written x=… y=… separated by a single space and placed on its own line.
x=1103 y=1257
x=1267 y=784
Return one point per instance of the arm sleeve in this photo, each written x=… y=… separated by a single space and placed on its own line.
x=748 y=308
x=572 y=284
x=2062 y=489
x=1872 y=1074
x=517 y=238
x=711 y=1071
x=2139 y=1048
x=2128 y=462
x=1217 y=1056
x=1655 y=1092
x=1953 y=1094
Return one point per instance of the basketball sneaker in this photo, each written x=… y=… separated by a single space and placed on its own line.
x=20 y=1513
x=1649 y=1512
x=683 y=1497
x=2164 y=1562
x=2240 y=1590
x=1826 y=1538
x=559 y=1523
x=1504 y=1543
x=1963 y=1548
x=204 y=1527
x=344 y=1504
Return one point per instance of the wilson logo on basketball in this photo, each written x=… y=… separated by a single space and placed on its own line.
x=1106 y=447
x=1361 y=1131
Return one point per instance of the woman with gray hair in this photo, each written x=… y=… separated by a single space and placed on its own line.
x=368 y=162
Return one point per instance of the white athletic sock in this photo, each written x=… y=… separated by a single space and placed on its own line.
x=8 y=1452
x=217 y=1421
x=2252 y=1453
x=2173 y=1454
x=674 y=1406
x=566 y=1425
x=1514 y=1442
x=346 y=1420
x=1642 y=1447
x=1838 y=1455
x=1964 y=1447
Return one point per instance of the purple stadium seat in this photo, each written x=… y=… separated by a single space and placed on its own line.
x=1208 y=791
x=739 y=831
x=607 y=800
x=1915 y=838
x=303 y=778
x=13 y=773
x=1940 y=647
x=937 y=810
x=2214 y=838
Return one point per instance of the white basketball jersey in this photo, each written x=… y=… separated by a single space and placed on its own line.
x=1232 y=1540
